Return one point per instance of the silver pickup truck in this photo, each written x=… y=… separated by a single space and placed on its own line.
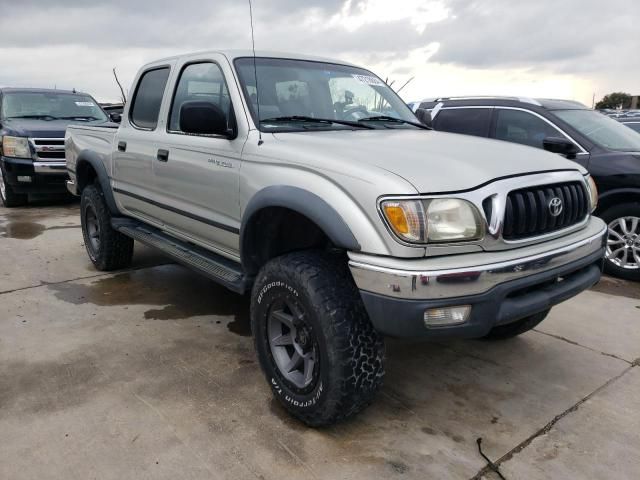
x=309 y=183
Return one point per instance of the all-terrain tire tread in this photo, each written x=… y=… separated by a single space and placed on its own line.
x=116 y=249
x=353 y=342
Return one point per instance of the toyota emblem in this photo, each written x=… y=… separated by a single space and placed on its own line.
x=555 y=206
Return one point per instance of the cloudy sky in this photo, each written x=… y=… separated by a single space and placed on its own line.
x=538 y=48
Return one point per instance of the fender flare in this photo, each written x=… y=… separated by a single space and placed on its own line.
x=305 y=203
x=96 y=163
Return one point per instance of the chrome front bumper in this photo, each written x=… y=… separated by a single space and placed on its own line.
x=470 y=274
x=47 y=168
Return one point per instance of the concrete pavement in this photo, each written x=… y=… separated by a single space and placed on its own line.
x=150 y=373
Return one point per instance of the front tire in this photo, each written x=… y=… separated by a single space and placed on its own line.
x=317 y=348
x=510 y=330
x=623 y=241
x=107 y=248
x=8 y=197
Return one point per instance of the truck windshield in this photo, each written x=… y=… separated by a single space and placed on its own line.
x=51 y=106
x=299 y=95
x=602 y=130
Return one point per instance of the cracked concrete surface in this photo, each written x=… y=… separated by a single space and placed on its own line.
x=150 y=373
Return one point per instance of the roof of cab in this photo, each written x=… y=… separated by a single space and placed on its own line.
x=233 y=54
x=40 y=90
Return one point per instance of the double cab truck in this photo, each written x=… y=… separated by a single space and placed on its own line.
x=32 y=129
x=310 y=184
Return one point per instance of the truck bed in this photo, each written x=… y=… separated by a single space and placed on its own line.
x=97 y=140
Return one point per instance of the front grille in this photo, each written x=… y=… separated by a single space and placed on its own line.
x=528 y=211
x=49 y=149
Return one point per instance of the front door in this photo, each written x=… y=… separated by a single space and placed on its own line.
x=197 y=176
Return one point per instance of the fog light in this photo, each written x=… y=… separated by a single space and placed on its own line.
x=438 y=317
x=24 y=178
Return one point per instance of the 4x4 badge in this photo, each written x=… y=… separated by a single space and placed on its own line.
x=555 y=206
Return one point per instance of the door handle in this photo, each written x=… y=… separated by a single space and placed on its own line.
x=163 y=155
x=122 y=146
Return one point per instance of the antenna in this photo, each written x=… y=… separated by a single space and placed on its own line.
x=255 y=72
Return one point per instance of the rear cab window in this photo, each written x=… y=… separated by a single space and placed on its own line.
x=147 y=99
x=467 y=121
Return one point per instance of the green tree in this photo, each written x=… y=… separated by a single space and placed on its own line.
x=614 y=100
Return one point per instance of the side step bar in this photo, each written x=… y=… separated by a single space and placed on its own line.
x=216 y=267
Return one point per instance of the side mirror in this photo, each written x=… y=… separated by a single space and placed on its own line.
x=204 y=118
x=560 y=145
x=424 y=116
x=115 y=117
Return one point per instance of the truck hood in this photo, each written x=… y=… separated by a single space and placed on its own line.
x=29 y=127
x=431 y=161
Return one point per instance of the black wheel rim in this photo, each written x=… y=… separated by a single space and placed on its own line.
x=93 y=229
x=293 y=344
x=623 y=243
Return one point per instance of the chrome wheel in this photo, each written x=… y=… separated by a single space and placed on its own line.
x=93 y=229
x=3 y=187
x=293 y=344
x=623 y=243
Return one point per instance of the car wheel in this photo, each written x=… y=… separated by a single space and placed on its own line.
x=107 y=248
x=7 y=196
x=321 y=356
x=623 y=241
x=510 y=330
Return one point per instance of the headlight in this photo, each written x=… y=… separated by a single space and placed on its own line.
x=451 y=219
x=15 y=147
x=432 y=221
x=593 y=192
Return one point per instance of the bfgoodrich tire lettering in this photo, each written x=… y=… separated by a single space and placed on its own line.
x=107 y=248
x=316 y=288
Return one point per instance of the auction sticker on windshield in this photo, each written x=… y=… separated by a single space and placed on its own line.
x=368 y=79
x=85 y=104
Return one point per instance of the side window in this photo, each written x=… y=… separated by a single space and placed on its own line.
x=468 y=121
x=148 y=98
x=199 y=82
x=522 y=127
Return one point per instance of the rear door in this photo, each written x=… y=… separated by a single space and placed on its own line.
x=197 y=176
x=136 y=144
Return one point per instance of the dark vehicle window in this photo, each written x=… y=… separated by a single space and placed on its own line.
x=468 y=121
x=148 y=98
x=522 y=127
x=199 y=82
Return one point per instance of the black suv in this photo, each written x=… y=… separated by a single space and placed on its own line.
x=32 y=128
x=608 y=149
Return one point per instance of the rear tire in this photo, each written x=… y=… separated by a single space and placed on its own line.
x=8 y=197
x=623 y=241
x=510 y=330
x=107 y=248
x=306 y=304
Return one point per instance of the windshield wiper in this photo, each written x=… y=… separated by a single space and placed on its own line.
x=386 y=118
x=38 y=117
x=303 y=118
x=80 y=117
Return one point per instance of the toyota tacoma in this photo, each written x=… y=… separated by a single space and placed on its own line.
x=310 y=184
